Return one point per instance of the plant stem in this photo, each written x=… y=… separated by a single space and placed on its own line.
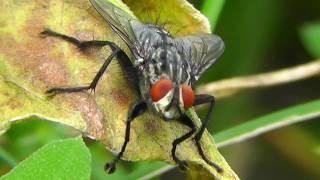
x=228 y=87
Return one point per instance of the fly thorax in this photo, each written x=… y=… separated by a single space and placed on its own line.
x=164 y=63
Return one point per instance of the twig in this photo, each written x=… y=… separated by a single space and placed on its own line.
x=228 y=87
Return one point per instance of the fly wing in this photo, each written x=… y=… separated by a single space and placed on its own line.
x=120 y=21
x=200 y=51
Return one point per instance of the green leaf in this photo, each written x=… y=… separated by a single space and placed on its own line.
x=29 y=65
x=310 y=35
x=177 y=16
x=212 y=10
x=61 y=159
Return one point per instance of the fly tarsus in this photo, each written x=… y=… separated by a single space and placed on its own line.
x=204 y=157
x=59 y=90
x=183 y=165
x=49 y=32
x=80 y=44
x=110 y=167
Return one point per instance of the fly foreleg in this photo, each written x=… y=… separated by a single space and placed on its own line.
x=137 y=110
x=188 y=122
x=203 y=99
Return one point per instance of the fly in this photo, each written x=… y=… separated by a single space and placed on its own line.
x=164 y=72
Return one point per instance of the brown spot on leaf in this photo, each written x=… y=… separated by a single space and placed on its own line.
x=15 y=105
x=90 y=112
x=32 y=56
x=40 y=61
x=50 y=72
x=35 y=62
x=152 y=125
x=120 y=97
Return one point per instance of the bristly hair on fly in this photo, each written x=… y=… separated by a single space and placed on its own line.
x=154 y=17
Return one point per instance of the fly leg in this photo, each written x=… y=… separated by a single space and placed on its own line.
x=93 y=84
x=202 y=99
x=82 y=45
x=137 y=110
x=188 y=122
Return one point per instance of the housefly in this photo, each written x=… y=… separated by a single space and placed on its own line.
x=164 y=72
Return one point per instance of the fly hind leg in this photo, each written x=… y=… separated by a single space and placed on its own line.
x=92 y=85
x=82 y=45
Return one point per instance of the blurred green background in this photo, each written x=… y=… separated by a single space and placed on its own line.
x=260 y=36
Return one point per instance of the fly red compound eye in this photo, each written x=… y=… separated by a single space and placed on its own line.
x=187 y=95
x=160 y=89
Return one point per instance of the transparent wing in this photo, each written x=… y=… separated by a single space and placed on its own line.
x=200 y=51
x=120 y=21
